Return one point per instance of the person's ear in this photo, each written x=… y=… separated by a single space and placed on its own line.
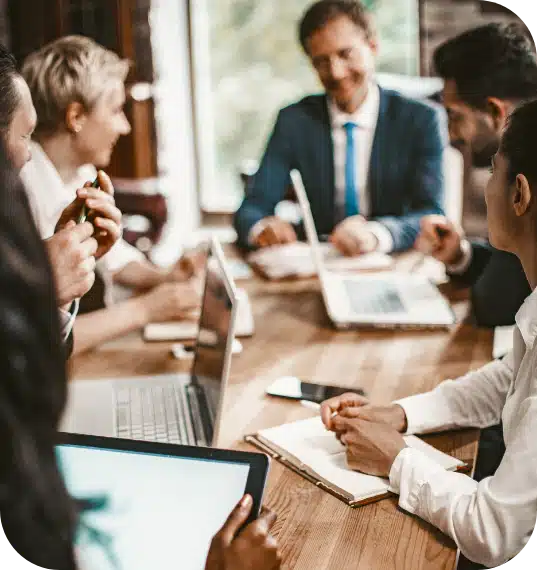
x=75 y=117
x=373 y=45
x=522 y=195
x=498 y=111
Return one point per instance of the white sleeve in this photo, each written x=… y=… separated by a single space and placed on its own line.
x=462 y=265
x=121 y=254
x=490 y=521
x=383 y=235
x=475 y=400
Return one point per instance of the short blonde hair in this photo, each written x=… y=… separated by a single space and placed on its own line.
x=70 y=69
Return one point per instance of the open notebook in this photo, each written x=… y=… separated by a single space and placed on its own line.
x=313 y=452
x=295 y=260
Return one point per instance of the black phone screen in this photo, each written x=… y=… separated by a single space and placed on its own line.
x=295 y=389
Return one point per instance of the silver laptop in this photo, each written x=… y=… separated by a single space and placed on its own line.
x=387 y=299
x=173 y=408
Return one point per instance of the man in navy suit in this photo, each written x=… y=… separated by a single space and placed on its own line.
x=371 y=159
x=487 y=71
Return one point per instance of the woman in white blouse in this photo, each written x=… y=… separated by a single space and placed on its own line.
x=490 y=520
x=77 y=89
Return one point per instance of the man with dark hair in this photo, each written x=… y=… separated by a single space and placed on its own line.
x=371 y=159
x=487 y=72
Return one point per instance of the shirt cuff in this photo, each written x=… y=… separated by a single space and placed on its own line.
x=395 y=472
x=383 y=235
x=67 y=319
x=426 y=413
x=461 y=266
x=255 y=230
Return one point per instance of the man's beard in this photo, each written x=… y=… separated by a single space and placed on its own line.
x=482 y=158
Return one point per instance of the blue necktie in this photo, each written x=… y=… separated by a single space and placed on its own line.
x=351 y=196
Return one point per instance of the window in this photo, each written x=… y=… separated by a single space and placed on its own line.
x=248 y=64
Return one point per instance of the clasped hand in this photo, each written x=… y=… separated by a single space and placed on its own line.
x=371 y=434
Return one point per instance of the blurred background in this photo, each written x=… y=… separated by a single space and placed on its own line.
x=207 y=80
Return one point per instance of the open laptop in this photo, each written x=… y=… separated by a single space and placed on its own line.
x=150 y=505
x=387 y=299
x=173 y=408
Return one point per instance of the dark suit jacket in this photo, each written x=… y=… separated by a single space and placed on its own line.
x=405 y=174
x=498 y=282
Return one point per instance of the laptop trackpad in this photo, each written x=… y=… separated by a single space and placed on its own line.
x=89 y=408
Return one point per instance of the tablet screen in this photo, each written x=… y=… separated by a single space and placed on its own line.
x=149 y=511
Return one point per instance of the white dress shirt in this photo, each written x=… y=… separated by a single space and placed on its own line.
x=365 y=118
x=491 y=521
x=49 y=196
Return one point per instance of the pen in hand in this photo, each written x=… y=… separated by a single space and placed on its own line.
x=84 y=211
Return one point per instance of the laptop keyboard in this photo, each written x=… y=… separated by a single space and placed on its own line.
x=373 y=297
x=159 y=413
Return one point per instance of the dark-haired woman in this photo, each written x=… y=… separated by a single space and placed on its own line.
x=490 y=520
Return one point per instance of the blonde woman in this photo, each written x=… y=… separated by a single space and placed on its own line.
x=77 y=88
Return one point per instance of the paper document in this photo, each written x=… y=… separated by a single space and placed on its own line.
x=188 y=328
x=318 y=453
x=295 y=260
x=503 y=341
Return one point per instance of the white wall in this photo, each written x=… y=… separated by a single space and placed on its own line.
x=175 y=130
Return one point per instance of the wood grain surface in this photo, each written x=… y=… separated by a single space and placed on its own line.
x=294 y=337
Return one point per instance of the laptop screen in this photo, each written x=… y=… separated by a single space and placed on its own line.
x=214 y=330
x=149 y=510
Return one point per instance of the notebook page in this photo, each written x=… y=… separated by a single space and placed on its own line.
x=295 y=259
x=318 y=449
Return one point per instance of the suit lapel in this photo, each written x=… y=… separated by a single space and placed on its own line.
x=377 y=155
x=323 y=171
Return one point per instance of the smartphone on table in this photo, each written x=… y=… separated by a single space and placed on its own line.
x=293 y=388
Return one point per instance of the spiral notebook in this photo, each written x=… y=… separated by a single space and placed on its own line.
x=310 y=450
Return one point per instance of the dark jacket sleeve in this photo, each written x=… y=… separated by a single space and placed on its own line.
x=427 y=185
x=481 y=254
x=269 y=184
x=499 y=285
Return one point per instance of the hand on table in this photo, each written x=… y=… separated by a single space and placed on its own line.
x=352 y=237
x=191 y=264
x=253 y=548
x=102 y=213
x=440 y=238
x=370 y=433
x=371 y=446
x=275 y=232
x=353 y=405
x=171 y=301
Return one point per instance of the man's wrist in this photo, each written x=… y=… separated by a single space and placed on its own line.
x=464 y=257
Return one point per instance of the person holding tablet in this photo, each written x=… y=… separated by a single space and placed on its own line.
x=39 y=517
x=490 y=520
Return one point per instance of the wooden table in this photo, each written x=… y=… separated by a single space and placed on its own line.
x=316 y=531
